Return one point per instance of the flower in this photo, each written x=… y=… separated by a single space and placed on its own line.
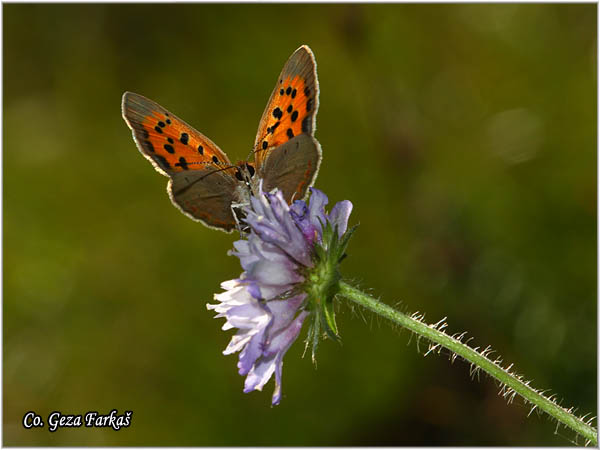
x=286 y=278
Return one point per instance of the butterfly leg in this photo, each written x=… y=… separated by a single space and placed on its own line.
x=238 y=215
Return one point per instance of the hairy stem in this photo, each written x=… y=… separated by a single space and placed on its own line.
x=479 y=360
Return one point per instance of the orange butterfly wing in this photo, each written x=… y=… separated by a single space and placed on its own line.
x=292 y=107
x=167 y=141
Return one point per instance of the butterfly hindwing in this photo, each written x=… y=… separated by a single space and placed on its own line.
x=292 y=167
x=205 y=195
x=167 y=141
x=292 y=107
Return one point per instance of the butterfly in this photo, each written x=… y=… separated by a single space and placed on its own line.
x=203 y=183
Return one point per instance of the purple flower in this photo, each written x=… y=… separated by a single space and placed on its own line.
x=272 y=298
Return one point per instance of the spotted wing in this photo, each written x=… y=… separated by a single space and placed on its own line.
x=292 y=167
x=202 y=181
x=293 y=105
x=167 y=141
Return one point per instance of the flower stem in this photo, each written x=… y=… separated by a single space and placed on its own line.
x=477 y=359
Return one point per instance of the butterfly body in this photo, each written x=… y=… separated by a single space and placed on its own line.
x=203 y=183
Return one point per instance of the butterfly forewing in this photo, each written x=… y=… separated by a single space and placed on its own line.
x=170 y=143
x=292 y=107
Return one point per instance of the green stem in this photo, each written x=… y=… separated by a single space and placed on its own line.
x=479 y=360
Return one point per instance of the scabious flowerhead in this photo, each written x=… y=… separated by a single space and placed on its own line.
x=290 y=259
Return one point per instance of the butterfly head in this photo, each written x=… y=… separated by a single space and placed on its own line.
x=245 y=172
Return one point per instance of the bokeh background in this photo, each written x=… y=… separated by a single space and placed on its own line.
x=465 y=136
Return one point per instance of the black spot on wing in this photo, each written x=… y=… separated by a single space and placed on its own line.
x=182 y=163
x=290 y=133
x=201 y=150
x=184 y=138
x=169 y=148
x=309 y=105
x=162 y=162
x=306 y=125
x=294 y=116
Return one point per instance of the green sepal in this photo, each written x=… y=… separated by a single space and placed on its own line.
x=343 y=243
x=315 y=338
x=323 y=283
x=329 y=316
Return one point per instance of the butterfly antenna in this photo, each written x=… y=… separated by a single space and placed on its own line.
x=217 y=170
x=259 y=150
x=185 y=188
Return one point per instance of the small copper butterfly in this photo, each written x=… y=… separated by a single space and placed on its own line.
x=203 y=183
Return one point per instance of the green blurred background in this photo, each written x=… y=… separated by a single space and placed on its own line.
x=465 y=136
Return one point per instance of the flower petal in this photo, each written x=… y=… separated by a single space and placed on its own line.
x=287 y=340
x=299 y=212
x=267 y=272
x=316 y=208
x=339 y=216
x=270 y=219
x=283 y=312
x=251 y=352
x=259 y=375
